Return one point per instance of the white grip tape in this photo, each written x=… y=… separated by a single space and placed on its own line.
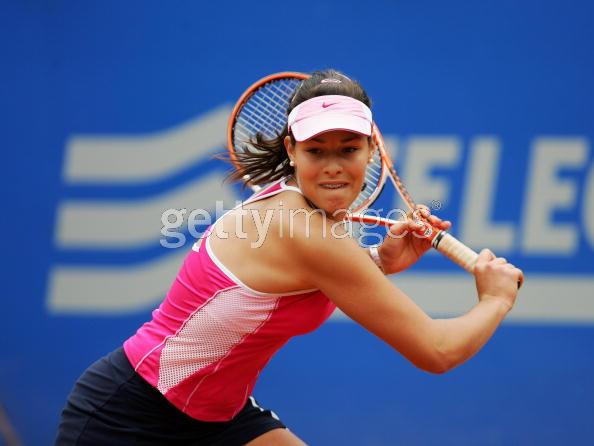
x=456 y=251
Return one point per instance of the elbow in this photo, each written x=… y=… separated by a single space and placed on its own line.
x=437 y=365
x=438 y=362
x=434 y=362
x=434 y=351
x=440 y=366
x=442 y=354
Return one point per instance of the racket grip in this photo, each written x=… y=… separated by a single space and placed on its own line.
x=455 y=250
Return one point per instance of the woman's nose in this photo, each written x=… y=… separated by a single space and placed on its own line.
x=332 y=167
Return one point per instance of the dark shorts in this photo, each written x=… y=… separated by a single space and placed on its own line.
x=111 y=404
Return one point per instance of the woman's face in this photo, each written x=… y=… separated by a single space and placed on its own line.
x=330 y=168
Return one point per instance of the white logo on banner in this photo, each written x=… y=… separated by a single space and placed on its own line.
x=101 y=224
x=129 y=224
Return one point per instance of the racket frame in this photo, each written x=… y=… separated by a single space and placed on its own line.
x=441 y=240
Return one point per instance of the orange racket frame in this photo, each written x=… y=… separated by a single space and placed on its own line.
x=441 y=240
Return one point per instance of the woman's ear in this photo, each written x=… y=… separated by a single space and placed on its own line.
x=289 y=147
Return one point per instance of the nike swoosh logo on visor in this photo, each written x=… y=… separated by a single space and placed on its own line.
x=324 y=105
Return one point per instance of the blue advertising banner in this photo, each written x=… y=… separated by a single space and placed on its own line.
x=111 y=116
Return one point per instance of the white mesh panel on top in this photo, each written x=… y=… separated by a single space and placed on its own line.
x=211 y=333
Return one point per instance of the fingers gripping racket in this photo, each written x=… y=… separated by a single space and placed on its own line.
x=263 y=109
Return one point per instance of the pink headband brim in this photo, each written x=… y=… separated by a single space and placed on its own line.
x=331 y=112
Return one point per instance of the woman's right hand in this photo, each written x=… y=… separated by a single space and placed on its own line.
x=497 y=279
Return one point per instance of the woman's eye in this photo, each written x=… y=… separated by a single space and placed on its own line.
x=313 y=151
x=350 y=149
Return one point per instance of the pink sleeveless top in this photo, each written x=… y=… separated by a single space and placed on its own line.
x=212 y=335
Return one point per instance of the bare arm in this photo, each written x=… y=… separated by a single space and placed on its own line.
x=461 y=337
x=496 y=282
x=346 y=275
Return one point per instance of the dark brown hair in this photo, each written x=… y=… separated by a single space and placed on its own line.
x=267 y=160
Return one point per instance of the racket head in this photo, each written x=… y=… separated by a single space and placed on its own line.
x=262 y=108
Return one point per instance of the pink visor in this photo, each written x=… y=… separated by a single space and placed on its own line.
x=331 y=112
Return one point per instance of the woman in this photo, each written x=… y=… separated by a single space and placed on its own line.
x=186 y=376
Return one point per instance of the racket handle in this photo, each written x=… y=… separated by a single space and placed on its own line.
x=455 y=250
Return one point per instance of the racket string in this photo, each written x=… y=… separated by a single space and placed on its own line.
x=264 y=112
x=258 y=115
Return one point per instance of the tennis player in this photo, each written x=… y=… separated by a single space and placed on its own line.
x=186 y=377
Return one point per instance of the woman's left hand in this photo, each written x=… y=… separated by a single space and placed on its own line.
x=406 y=241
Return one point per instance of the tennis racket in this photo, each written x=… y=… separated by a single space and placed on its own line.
x=262 y=108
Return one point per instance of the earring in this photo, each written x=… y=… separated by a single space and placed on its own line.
x=292 y=163
x=370 y=160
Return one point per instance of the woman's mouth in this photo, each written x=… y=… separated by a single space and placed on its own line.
x=333 y=186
